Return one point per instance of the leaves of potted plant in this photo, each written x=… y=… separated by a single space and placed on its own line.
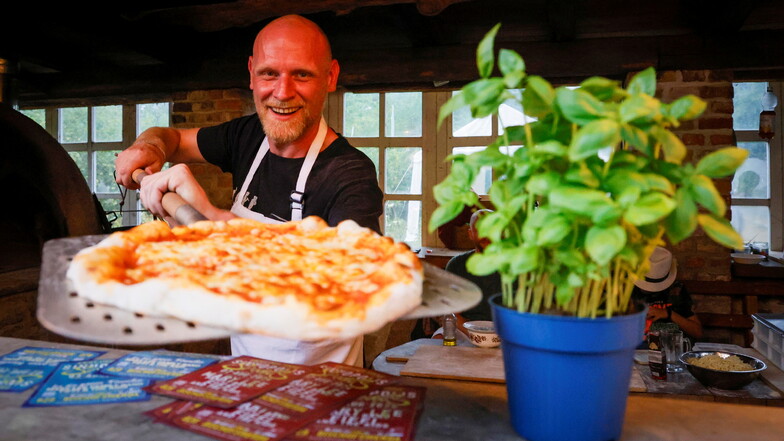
x=581 y=198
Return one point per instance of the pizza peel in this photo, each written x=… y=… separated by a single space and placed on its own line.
x=63 y=311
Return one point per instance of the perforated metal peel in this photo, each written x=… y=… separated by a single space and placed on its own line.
x=63 y=311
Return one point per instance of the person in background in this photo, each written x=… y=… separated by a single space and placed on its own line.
x=489 y=284
x=286 y=163
x=669 y=303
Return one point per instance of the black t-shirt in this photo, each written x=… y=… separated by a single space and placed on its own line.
x=676 y=297
x=342 y=184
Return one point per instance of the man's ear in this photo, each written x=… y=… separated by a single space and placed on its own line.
x=334 y=71
x=250 y=72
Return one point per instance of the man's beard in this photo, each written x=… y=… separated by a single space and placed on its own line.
x=285 y=132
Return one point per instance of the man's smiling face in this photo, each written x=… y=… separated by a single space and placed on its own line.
x=291 y=72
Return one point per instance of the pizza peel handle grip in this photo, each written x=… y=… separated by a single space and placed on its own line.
x=174 y=204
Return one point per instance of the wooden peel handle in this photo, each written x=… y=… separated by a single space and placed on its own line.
x=174 y=204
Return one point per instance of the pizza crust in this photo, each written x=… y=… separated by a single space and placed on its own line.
x=97 y=273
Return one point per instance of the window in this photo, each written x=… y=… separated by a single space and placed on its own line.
x=92 y=136
x=757 y=184
x=399 y=132
x=389 y=128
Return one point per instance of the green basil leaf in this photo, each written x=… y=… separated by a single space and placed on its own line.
x=579 y=200
x=722 y=162
x=457 y=101
x=444 y=213
x=682 y=222
x=538 y=97
x=604 y=243
x=510 y=61
x=686 y=108
x=659 y=183
x=673 y=148
x=649 y=208
x=524 y=259
x=619 y=180
x=492 y=225
x=643 y=82
x=550 y=148
x=483 y=264
x=593 y=137
x=602 y=88
x=640 y=109
x=541 y=184
x=606 y=215
x=484 y=96
x=554 y=231
x=720 y=230
x=578 y=106
x=629 y=196
x=513 y=135
x=485 y=57
x=705 y=193
x=581 y=173
x=637 y=138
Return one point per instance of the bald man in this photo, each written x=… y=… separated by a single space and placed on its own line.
x=286 y=162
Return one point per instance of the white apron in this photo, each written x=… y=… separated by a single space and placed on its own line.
x=280 y=349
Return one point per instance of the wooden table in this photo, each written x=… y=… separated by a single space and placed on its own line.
x=454 y=410
x=410 y=360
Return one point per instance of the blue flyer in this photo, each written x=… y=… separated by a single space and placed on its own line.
x=157 y=365
x=77 y=383
x=28 y=366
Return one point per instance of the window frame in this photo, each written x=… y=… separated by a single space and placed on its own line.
x=776 y=170
x=132 y=210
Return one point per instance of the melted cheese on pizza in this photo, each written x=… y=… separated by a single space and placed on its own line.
x=329 y=269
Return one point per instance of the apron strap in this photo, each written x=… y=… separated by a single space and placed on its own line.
x=297 y=196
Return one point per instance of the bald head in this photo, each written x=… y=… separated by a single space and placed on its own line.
x=479 y=242
x=288 y=27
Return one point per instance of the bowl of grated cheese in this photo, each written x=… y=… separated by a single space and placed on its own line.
x=722 y=370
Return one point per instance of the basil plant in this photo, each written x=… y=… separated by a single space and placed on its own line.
x=598 y=184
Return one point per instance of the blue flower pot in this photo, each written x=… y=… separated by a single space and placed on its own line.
x=567 y=378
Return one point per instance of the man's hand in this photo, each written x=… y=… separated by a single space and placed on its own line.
x=141 y=155
x=180 y=180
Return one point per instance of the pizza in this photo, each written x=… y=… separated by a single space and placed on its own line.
x=300 y=280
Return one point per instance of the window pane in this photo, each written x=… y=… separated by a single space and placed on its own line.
x=80 y=158
x=403 y=171
x=37 y=115
x=403 y=222
x=465 y=125
x=747 y=105
x=751 y=178
x=112 y=208
x=752 y=223
x=511 y=113
x=372 y=153
x=482 y=182
x=403 y=114
x=73 y=125
x=104 y=172
x=361 y=115
x=151 y=115
x=107 y=124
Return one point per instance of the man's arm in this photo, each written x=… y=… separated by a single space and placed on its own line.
x=154 y=147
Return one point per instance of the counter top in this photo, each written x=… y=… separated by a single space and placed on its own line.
x=454 y=410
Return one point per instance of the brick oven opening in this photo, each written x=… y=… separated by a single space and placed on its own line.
x=42 y=193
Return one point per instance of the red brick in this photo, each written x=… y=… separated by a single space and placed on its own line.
x=182 y=107
x=717 y=91
x=715 y=123
x=722 y=140
x=693 y=139
x=722 y=107
x=694 y=75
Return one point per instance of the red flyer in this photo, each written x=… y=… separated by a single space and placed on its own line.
x=229 y=383
x=388 y=414
x=284 y=410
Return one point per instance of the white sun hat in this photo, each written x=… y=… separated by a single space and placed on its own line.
x=662 y=273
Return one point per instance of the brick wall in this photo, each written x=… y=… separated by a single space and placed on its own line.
x=203 y=108
x=699 y=257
